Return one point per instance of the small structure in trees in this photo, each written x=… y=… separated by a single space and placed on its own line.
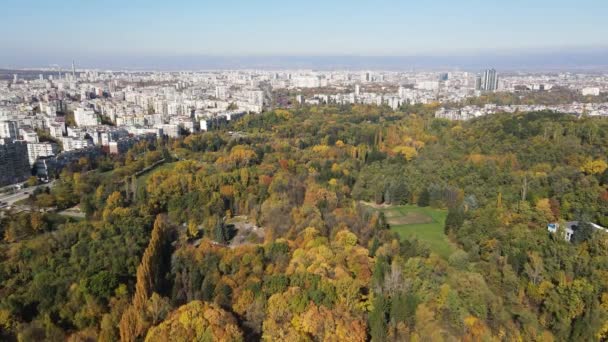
x=572 y=227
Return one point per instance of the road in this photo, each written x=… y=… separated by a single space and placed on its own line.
x=22 y=194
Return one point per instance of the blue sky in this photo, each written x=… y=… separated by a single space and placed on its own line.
x=77 y=28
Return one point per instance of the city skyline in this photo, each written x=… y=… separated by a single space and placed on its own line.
x=120 y=34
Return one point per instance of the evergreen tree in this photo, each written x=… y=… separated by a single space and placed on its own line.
x=454 y=220
x=377 y=319
x=220 y=232
x=425 y=198
x=398 y=192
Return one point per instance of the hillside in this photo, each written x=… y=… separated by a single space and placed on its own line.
x=459 y=249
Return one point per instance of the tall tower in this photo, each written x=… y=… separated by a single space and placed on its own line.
x=73 y=70
x=490 y=80
x=478 y=82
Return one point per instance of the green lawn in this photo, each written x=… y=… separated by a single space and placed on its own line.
x=141 y=180
x=423 y=222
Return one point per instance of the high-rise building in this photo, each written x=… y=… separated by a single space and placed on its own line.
x=488 y=82
x=221 y=92
x=366 y=76
x=401 y=91
x=14 y=164
x=256 y=97
x=37 y=150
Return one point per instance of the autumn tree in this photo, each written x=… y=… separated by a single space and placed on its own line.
x=150 y=274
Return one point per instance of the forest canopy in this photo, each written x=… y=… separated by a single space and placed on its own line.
x=273 y=233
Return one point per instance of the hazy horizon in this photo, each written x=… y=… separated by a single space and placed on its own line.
x=583 y=59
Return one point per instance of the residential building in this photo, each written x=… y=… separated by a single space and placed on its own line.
x=9 y=129
x=14 y=165
x=488 y=82
x=37 y=149
x=570 y=228
x=85 y=117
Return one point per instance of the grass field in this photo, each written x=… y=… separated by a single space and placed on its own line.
x=141 y=180
x=423 y=222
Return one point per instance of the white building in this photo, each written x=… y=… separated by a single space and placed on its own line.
x=71 y=143
x=256 y=97
x=428 y=85
x=9 y=130
x=28 y=134
x=306 y=82
x=85 y=117
x=37 y=150
x=570 y=228
x=170 y=130
x=221 y=92
x=591 y=91
x=57 y=129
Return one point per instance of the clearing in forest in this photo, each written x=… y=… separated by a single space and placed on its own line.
x=425 y=223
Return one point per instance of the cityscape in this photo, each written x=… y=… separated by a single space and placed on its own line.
x=49 y=120
x=327 y=171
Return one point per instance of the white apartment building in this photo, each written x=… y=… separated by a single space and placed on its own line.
x=29 y=135
x=57 y=130
x=221 y=92
x=170 y=130
x=85 y=117
x=71 y=143
x=9 y=129
x=591 y=91
x=38 y=149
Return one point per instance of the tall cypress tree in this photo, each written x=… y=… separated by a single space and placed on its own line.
x=149 y=279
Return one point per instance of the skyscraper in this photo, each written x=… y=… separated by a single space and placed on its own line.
x=489 y=81
x=477 y=82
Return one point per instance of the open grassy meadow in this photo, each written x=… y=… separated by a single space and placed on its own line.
x=425 y=223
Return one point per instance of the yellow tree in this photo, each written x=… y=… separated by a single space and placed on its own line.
x=408 y=152
x=594 y=167
x=133 y=323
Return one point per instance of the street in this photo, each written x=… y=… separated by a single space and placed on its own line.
x=22 y=194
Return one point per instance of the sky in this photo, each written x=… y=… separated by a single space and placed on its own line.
x=55 y=32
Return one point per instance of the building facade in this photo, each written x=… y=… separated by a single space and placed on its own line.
x=14 y=164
